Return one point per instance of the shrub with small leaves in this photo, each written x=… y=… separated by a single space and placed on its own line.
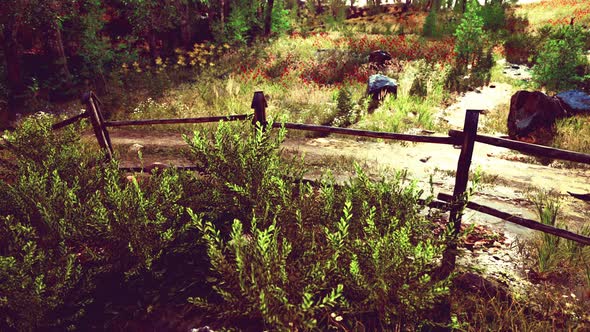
x=291 y=256
x=561 y=63
x=67 y=219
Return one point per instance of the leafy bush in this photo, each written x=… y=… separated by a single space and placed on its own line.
x=562 y=63
x=285 y=255
x=469 y=35
x=430 y=29
x=347 y=112
x=474 y=59
x=68 y=219
x=494 y=16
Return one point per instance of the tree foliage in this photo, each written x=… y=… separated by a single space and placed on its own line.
x=562 y=63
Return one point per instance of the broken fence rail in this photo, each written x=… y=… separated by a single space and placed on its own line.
x=528 y=223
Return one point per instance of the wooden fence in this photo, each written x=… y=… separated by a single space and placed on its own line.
x=454 y=203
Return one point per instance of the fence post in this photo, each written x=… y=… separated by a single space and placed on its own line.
x=442 y=310
x=97 y=121
x=461 y=180
x=259 y=105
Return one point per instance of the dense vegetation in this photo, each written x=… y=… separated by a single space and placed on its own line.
x=246 y=242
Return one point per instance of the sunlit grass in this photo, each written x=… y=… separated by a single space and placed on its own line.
x=574 y=133
x=556 y=12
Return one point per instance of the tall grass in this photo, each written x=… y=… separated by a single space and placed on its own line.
x=547 y=245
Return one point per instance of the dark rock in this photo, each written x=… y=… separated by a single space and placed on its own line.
x=379 y=57
x=575 y=102
x=532 y=116
x=492 y=86
x=378 y=87
x=485 y=288
x=515 y=67
x=584 y=197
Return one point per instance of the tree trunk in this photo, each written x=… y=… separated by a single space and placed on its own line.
x=186 y=32
x=268 y=18
x=54 y=44
x=152 y=43
x=55 y=50
x=222 y=17
x=16 y=86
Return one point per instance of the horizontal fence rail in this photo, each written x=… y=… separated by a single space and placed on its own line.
x=528 y=223
x=126 y=123
x=368 y=133
x=534 y=149
x=70 y=121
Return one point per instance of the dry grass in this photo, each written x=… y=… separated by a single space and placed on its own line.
x=574 y=134
x=556 y=12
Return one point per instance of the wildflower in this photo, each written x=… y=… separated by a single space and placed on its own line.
x=135 y=64
x=177 y=50
x=338 y=318
x=211 y=64
x=225 y=45
x=158 y=61
x=193 y=62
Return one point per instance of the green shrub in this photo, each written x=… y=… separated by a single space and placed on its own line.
x=68 y=219
x=243 y=171
x=285 y=255
x=562 y=63
x=494 y=16
x=347 y=112
x=473 y=60
x=430 y=29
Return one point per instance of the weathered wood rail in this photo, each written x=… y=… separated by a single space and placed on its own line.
x=455 y=203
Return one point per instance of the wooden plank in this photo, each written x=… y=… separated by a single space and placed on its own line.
x=461 y=180
x=533 y=149
x=528 y=223
x=96 y=125
x=69 y=121
x=177 y=120
x=259 y=105
x=97 y=103
x=367 y=133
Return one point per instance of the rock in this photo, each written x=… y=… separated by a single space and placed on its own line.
x=515 y=67
x=378 y=87
x=425 y=159
x=575 y=102
x=477 y=284
x=532 y=116
x=379 y=57
x=135 y=148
